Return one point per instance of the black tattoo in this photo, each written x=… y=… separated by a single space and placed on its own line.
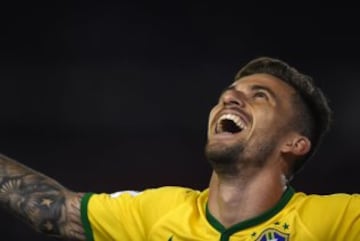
x=40 y=201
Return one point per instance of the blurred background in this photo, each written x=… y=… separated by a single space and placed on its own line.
x=106 y=97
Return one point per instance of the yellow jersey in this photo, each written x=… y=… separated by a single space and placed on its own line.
x=181 y=214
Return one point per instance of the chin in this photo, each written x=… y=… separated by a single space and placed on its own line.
x=226 y=158
x=223 y=156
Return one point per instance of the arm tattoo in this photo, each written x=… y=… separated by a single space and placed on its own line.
x=40 y=201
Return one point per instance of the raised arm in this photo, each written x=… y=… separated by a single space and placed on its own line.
x=40 y=201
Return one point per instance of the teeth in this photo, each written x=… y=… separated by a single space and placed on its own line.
x=235 y=119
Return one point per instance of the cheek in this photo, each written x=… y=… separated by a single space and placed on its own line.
x=266 y=121
x=212 y=115
x=272 y=121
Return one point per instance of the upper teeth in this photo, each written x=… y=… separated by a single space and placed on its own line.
x=235 y=119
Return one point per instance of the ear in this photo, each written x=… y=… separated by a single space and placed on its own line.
x=297 y=145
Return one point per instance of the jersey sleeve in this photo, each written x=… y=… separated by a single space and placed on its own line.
x=127 y=215
x=332 y=217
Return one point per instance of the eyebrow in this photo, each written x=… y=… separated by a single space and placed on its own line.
x=254 y=88
x=230 y=87
x=266 y=89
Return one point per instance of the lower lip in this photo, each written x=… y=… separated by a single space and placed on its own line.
x=224 y=135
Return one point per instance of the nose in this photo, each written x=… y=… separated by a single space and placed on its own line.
x=233 y=97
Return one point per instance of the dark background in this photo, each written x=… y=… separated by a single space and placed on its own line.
x=106 y=97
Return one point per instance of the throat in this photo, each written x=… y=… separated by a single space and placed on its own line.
x=233 y=203
x=231 y=209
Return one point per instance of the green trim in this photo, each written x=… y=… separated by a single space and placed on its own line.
x=84 y=216
x=226 y=233
x=213 y=221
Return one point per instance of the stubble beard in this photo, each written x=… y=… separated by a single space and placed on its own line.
x=236 y=159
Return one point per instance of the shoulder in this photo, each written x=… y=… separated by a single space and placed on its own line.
x=336 y=200
x=166 y=191
x=325 y=213
x=171 y=190
x=161 y=196
x=130 y=214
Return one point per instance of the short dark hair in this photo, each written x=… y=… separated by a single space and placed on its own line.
x=313 y=116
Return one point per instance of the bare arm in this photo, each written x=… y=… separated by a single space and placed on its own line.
x=40 y=201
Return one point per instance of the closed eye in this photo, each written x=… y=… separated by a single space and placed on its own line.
x=261 y=94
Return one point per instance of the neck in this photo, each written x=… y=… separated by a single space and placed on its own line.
x=236 y=199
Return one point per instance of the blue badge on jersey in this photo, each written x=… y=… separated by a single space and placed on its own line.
x=273 y=235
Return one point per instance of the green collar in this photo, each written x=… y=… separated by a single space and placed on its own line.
x=253 y=221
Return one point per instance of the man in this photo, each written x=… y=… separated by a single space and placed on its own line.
x=266 y=124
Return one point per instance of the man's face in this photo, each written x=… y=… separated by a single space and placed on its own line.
x=249 y=121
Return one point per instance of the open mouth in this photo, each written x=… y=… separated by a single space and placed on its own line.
x=230 y=123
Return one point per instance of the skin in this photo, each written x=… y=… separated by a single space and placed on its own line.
x=40 y=201
x=267 y=110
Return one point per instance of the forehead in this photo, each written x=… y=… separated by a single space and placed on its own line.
x=278 y=86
